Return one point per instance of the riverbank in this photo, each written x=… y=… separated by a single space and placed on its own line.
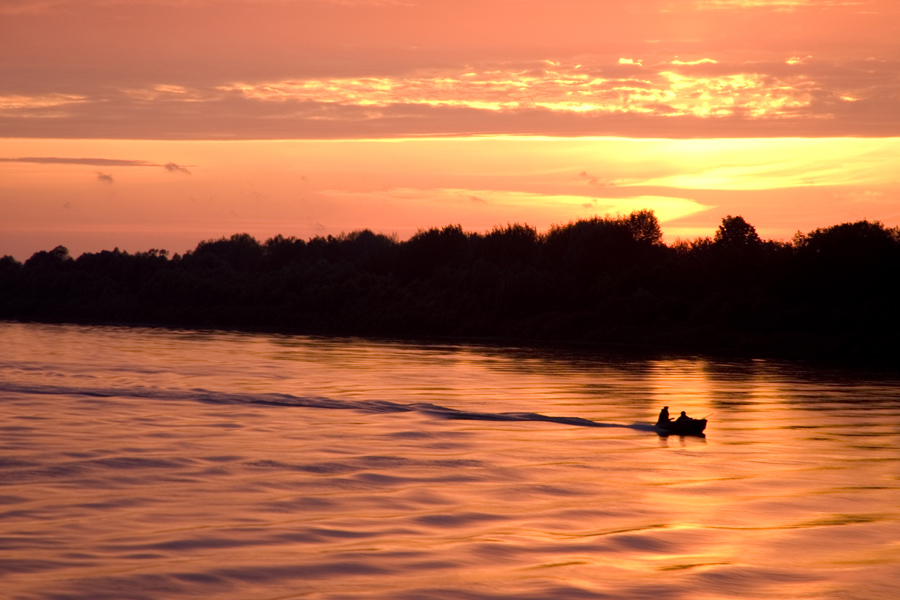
x=829 y=296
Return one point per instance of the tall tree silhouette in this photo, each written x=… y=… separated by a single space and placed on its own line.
x=242 y=252
x=645 y=227
x=735 y=232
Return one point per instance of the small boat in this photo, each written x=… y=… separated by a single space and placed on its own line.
x=682 y=427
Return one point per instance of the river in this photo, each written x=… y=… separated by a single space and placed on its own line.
x=158 y=464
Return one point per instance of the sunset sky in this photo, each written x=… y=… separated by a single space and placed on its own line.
x=144 y=124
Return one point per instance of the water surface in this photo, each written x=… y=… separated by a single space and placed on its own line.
x=144 y=463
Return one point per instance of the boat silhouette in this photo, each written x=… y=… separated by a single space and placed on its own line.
x=682 y=427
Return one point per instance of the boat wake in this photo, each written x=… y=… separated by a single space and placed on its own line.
x=289 y=400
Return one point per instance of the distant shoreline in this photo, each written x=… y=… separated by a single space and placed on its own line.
x=607 y=284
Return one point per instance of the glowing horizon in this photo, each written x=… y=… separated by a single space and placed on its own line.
x=161 y=123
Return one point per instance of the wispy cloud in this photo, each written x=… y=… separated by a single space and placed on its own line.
x=697 y=96
x=105 y=177
x=673 y=90
x=35 y=7
x=96 y=162
x=666 y=208
x=772 y=4
x=596 y=181
x=93 y=162
x=22 y=101
x=175 y=168
x=668 y=68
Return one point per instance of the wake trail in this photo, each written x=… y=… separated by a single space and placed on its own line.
x=321 y=402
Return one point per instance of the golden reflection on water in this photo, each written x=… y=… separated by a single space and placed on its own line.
x=197 y=464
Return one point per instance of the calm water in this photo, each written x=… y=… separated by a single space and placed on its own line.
x=157 y=464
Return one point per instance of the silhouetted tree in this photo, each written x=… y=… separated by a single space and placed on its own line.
x=8 y=264
x=370 y=251
x=10 y=281
x=242 y=252
x=852 y=260
x=645 y=227
x=606 y=279
x=281 y=251
x=430 y=249
x=855 y=241
x=54 y=258
x=735 y=232
x=513 y=244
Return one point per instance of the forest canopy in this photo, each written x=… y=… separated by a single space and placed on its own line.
x=829 y=294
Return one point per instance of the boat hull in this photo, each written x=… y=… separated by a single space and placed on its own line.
x=689 y=427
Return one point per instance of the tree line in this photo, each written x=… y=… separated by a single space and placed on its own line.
x=829 y=294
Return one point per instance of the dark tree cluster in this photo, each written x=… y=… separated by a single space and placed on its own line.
x=828 y=294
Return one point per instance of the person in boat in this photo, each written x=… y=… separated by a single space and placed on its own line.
x=683 y=417
x=664 y=417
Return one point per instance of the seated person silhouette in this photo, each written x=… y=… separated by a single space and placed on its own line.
x=663 y=416
x=683 y=417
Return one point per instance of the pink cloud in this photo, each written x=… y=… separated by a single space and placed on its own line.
x=330 y=69
x=672 y=98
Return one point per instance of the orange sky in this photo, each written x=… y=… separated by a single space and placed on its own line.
x=158 y=123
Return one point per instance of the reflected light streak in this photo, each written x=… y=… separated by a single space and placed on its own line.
x=682 y=385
